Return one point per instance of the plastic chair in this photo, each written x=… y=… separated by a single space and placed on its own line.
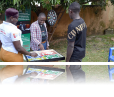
x=111 y=57
x=111 y=71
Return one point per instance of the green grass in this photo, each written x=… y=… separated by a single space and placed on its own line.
x=97 y=47
x=97 y=50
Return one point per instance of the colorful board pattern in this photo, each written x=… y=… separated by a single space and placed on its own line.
x=44 y=55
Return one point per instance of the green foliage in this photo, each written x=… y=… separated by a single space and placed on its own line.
x=47 y=4
x=112 y=1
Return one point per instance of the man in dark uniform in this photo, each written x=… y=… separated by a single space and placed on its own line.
x=76 y=44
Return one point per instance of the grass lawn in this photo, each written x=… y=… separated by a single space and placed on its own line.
x=97 y=50
x=97 y=47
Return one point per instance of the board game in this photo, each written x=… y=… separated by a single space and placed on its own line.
x=44 y=72
x=45 y=56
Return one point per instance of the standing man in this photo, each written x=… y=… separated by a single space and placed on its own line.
x=39 y=35
x=76 y=44
x=11 y=49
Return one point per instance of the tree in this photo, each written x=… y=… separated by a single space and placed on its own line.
x=47 y=4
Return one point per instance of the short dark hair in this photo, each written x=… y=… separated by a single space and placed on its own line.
x=75 y=7
x=42 y=14
x=11 y=12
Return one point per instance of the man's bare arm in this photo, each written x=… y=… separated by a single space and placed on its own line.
x=70 y=49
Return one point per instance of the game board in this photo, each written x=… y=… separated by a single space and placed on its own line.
x=46 y=56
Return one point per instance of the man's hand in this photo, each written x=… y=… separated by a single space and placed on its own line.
x=33 y=74
x=41 y=47
x=34 y=54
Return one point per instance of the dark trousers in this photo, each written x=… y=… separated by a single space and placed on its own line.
x=77 y=72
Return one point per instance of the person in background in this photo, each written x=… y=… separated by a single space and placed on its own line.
x=39 y=34
x=76 y=44
x=39 y=37
x=22 y=26
x=11 y=49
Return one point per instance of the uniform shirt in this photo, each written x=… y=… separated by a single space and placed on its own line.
x=8 y=34
x=77 y=33
x=36 y=35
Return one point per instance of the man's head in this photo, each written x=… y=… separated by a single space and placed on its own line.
x=74 y=8
x=41 y=18
x=12 y=15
